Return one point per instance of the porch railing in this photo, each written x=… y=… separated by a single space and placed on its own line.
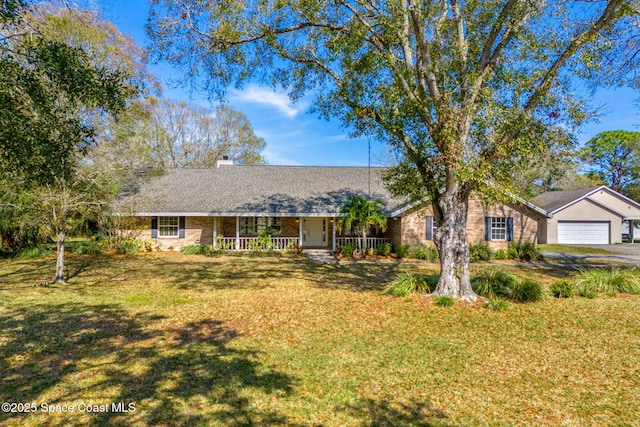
x=251 y=244
x=370 y=242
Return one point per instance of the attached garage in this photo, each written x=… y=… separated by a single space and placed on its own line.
x=591 y=216
x=576 y=233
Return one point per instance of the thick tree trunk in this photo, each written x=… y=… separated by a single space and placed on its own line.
x=60 y=259
x=453 y=245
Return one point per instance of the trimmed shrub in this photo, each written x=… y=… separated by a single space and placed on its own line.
x=426 y=253
x=32 y=252
x=128 y=246
x=563 y=289
x=497 y=304
x=407 y=283
x=526 y=291
x=492 y=282
x=480 y=252
x=501 y=255
x=90 y=247
x=197 y=250
x=384 y=249
x=348 y=250
x=445 y=301
x=402 y=251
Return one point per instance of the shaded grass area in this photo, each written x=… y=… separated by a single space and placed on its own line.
x=263 y=339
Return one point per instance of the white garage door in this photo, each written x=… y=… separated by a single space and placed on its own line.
x=593 y=233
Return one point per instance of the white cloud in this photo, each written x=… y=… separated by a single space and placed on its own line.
x=262 y=95
x=276 y=159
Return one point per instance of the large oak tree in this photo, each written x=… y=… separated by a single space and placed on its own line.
x=464 y=89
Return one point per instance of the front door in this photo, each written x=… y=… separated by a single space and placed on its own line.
x=315 y=232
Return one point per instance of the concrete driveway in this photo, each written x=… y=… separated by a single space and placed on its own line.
x=625 y=253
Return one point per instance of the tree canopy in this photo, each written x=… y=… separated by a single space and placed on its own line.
x=463 y=89
x=614 y=158
x=48 y=87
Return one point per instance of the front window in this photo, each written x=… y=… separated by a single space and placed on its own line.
x=251 y=226
x=168 y=226
x=498 y=228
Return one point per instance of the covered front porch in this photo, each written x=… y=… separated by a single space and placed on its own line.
x=246 y=233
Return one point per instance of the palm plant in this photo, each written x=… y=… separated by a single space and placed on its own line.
x=358 y=211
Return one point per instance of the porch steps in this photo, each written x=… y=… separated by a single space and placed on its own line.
x=321 y=255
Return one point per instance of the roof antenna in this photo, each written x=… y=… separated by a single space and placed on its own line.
x=369 y=141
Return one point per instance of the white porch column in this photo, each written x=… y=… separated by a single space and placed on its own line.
x=215 y=232
x=237 y=233
x=300 y=230
x=333 y=234
x=631 y=225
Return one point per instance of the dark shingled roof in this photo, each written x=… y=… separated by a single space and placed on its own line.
x=553 y=200
x=260 y=190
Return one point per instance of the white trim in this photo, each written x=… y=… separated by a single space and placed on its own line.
x=595 y=190
x=333 y=234
x=237 y=232
x=169 y=226
x=518 y=199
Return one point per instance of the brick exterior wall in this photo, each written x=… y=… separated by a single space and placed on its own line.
x=199 y=230
x=411 y=228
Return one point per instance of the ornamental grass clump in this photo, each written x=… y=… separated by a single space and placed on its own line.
x=407 y=283
x=609 y=281
x=32 y=252
x=526 y=251
x=526 y=291
x=495 y=282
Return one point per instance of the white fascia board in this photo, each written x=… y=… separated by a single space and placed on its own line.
x=578 y=199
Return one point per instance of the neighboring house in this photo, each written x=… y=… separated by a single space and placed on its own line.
x=585 y=216
x=229 y=205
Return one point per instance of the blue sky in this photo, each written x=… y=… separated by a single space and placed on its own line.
x=295 y=137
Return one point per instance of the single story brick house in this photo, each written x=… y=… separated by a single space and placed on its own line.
x=585 y=216
x=227 y=206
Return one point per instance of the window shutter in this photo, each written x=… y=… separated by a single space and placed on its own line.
x=429 y=228
x=487 y=228
x=181 y=228
x=509 y=229
x=154 y=227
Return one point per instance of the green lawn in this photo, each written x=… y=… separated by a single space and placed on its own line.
x=280 y=340
x=572 y=249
